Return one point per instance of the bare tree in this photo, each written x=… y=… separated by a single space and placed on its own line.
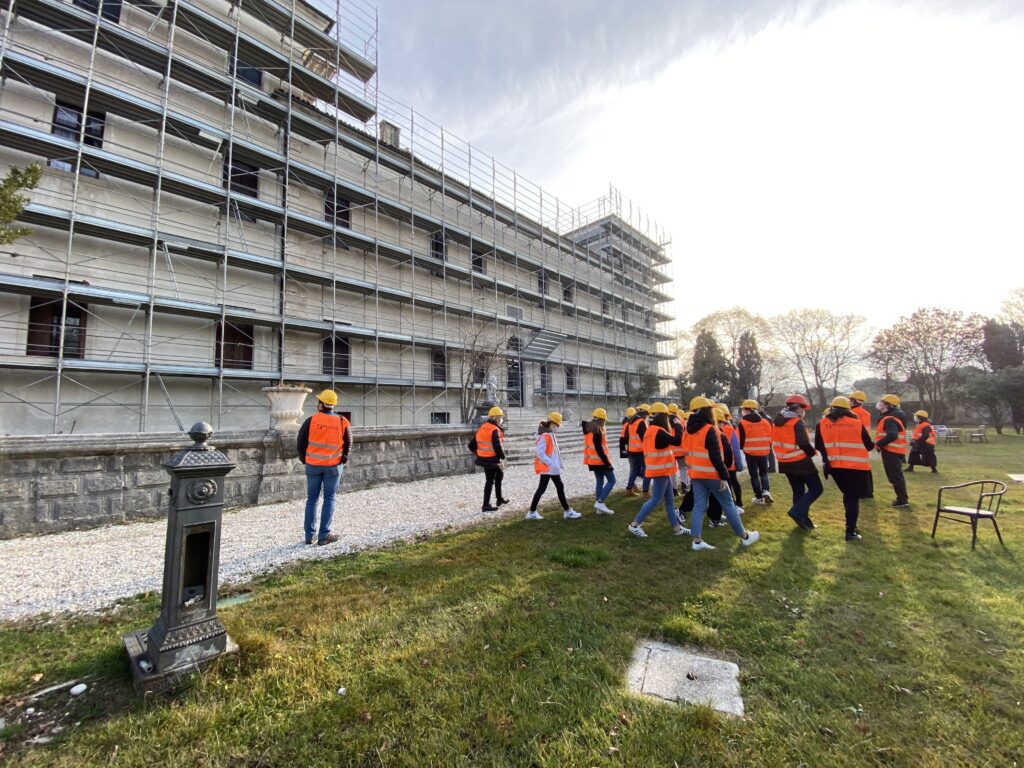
x=1012 y=309
x=776 y=375
x=822 y=347
x=728 y=325
x=483 y=347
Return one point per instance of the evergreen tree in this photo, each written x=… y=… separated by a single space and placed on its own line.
x=712 y=374
x=12 y=203
x=1003 y=345
x=748 y=369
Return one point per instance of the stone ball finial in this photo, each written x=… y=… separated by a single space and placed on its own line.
x=200 y=432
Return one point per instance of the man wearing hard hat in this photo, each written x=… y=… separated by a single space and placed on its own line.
x=323 y=444
x=891 y=442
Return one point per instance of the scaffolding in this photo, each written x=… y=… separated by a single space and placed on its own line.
x=229 y=202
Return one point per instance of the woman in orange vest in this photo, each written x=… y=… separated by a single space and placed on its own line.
x=922 y=444
x=726 y=427
x=844 y=445
x=709 y=475
x=795 y=455
x=756 y=443
x=595 y=456
x=489 y=455
x=660 y=467
x=677 y=416
x=323 y=443
x=714 y=510
x=635 y=432
x=891 y=442
x=624 y=433
x=547 y=462
x=857 y=400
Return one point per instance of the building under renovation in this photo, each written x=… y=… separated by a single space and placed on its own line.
x=227 y=203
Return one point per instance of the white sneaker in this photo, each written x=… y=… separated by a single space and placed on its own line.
x=681 y=530
x=760 y=501
x=534 y=516
x=739 y=510
x=752 y=537
x=768 y=498
x=697 y=546
x=602 y=509
x=638 y=531
x=570 y=514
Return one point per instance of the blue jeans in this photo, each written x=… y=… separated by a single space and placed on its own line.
x=636 y=471
x=806 y=490
x=327 y=478
x=605 y=481
x=662 y=490
x=703 y=490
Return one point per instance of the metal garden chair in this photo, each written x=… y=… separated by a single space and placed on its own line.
x=990 y=496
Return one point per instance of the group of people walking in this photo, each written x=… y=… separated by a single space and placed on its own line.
x=694 y=455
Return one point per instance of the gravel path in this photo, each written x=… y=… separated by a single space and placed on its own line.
x=90 y=570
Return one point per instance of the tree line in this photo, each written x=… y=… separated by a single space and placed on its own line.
x=941 y=358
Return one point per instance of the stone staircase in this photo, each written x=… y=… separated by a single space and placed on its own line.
x=521 y=439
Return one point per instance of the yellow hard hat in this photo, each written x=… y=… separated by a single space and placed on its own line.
x=630 y=412
x=688 y=414
x=922 y=414
x=673 y=407
x=644 y=407
x=328 y=397
x=555 y=417
x=751 y=404
x=659 y=407
x=600 y=413
x=721 y=414
x=700 y=402
x=891 y=400
x=495 y=411
x=840 y=402
x=859 y=395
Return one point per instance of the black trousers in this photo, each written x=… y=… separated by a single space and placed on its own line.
x=493 y=475
x=543 y=485
x=893 y=463
x=851 y=505
x=757 y=466
x=737 y=490
x=923 y=456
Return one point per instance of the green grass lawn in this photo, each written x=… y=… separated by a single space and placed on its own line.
x=508 y=645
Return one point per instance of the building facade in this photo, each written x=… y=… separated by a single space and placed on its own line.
x=228 y=203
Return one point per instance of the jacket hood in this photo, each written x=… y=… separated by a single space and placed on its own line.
x=753 y=418
x=696 y=423
x=835 y=414
x=783 y=416
x=899 y=413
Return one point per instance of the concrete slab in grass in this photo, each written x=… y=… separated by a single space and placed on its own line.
x=673 y=674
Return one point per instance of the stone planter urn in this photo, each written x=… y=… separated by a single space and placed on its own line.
x=285 y=406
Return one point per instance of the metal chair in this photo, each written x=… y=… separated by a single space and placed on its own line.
x=980 y=435
x=953 y=436
x=990 y=496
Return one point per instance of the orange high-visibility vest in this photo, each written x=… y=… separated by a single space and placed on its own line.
x=899 y=445
x=784 y=442
x=326 y=433
x=625 y=429
x=677 y=450
x=549 y=449
x=590 y=457
x=843 y=446
x=920 y=428
x=728 y=430
x=864 y=415
x=635 y=441
x=698 y=462
x=658 y=462
x=757 y=437
x=485 y=440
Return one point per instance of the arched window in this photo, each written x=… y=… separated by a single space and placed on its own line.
x=439 y=365
x=337 y=356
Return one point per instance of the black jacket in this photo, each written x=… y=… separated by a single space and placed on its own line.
x=892 y=430
x=715 y=444
x=302 y=442
x=804 y=466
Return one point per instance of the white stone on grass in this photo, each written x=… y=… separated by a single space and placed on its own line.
x=676 y=675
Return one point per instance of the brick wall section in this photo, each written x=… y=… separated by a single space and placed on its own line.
x=56 y=483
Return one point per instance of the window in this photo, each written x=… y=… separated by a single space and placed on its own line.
x=544 y=376
x=438 y=246
x=570 y=377
x=606 y=305
x=242 y=179
x=607 y=381
x=44 y=328
x=67 y=123
x=234 y=346
x=567 y=292
x=513 y=311
x=336 y=209
x=248 y=73
x=337 y=357
x=478 y=263
x=111 y=9
x=439 y=365
x=542 y=283
x=440 y=417
x=479 y=373
x=625 y=313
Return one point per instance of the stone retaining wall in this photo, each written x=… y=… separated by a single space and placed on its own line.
x=51 y=483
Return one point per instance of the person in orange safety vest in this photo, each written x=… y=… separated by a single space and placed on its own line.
x=323 y=444
x=844 y=444
x=922 y=444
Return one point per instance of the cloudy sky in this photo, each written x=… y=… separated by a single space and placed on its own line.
x=861 y=155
